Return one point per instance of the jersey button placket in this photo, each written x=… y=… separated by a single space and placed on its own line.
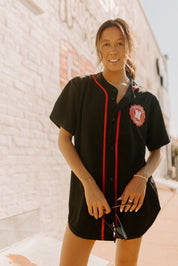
x=113 y=119
x=114 y=94
x=112 y=148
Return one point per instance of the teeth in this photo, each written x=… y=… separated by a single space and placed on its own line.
x=113 y=60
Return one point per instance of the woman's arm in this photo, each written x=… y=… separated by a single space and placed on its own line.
x=96 y=202
x=153 y=161
x=136 y=188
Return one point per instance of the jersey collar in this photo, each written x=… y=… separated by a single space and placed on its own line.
x=129 y=96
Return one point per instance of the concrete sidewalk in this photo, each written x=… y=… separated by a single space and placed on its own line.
x=160 y=244
x=39 y=250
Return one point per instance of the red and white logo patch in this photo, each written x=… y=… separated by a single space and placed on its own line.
x=137 y=114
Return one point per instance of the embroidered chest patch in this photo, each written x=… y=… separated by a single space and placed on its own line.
x=137 y=114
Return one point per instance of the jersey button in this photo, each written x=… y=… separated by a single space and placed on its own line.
x=111 y=179
x=113 y=119
x=113 y=98
x=111 y=147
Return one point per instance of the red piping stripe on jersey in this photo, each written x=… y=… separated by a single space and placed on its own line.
x=116 y=158
x=104 y=148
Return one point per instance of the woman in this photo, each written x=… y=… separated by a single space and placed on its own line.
x=112 y=193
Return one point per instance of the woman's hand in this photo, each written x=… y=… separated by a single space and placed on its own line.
x=134 y=194
x=95 y=199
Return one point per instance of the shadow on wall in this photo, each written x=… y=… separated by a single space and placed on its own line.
x=19 y=260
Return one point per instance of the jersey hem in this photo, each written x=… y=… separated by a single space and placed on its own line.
x=75 y=232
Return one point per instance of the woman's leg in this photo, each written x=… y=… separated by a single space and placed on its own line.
x=127 y=252
x=75 y=250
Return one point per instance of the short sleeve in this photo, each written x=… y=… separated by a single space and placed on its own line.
x=157 y=135
x=66 y=108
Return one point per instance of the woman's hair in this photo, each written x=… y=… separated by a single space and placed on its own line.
x=130 y=67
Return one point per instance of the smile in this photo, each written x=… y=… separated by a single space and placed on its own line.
x=113 y=60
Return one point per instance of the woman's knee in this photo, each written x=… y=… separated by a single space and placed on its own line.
x=127 y=252
x=125 y=262
x=75 y=250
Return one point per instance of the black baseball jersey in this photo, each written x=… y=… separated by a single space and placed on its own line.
x=110 y=139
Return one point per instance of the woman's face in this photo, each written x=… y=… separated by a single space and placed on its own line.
x=112 y=49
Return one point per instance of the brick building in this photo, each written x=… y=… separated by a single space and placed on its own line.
x=42 y=45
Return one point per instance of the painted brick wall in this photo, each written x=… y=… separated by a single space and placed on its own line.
x=38 y=55
x=32 y=170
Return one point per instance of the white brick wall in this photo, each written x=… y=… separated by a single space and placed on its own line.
x=29 y=79
x=33 y=174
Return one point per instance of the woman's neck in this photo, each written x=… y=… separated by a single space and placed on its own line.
x=116 y=78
